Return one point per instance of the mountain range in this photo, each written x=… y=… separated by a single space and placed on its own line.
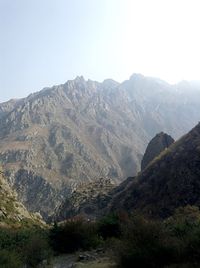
x=60 y=137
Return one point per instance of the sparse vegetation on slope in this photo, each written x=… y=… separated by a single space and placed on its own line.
x=170 y=181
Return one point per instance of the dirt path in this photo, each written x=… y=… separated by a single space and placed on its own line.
x=89 y=259
x=66 y=261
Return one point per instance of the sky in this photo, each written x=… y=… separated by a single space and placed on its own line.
x=47 y=42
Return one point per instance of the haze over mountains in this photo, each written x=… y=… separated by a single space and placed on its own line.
x=83 y=130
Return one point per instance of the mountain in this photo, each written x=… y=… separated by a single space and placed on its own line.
x=158 y=144
x=169 y=181
x=80 y=131
x=13 y=212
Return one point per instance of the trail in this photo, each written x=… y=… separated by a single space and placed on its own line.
x=89 y=259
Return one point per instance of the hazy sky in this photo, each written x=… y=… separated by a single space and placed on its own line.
x=47 y=42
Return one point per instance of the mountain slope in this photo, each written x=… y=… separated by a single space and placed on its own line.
x=83 y=130
x=170 y=181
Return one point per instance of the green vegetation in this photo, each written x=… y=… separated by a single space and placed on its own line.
x=134 y=240
x=9 y=259
x=74 y=235
x=171 y=243
x=109 y=226
x=23 y=246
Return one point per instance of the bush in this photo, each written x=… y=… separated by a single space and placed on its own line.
x=23 y=246
x=9 y=259
x=74 y=235
x=143 y=245
x=109 y=226
x=174 y=242
x=36 y=250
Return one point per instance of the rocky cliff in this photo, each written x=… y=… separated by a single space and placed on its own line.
x=87 y=200
x=158 y=144
x=13 y=212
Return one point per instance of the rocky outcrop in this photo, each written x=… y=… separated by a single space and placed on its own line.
x=158 y=144
x=62 y=136
x=87 y=200
x=170 y=181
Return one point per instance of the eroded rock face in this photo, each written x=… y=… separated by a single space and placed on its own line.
x=62 y=136
x=86 y=200
x=36 y=193
x=11 y=210
x=158 y=144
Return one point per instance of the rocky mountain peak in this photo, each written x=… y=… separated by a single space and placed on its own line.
x=79 y=79
x=159 y=143
x=110 y=83
x=137 y=76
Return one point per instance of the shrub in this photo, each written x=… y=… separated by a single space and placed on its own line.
x=174 y=242
x=9 y=259
x=109 y=226
x=74 y=235
x=36 y=250
x=144 y=244
x=27 y=246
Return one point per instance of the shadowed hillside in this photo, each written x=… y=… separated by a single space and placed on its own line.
x=170 y=181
